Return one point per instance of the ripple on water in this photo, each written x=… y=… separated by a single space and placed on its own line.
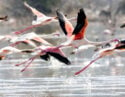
x=45 y=79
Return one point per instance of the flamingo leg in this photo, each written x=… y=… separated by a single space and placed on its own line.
x=24 y=62
x=27 y=28
x=14 y=44
x=87 y=65
x=30 y=27
x=28 y=64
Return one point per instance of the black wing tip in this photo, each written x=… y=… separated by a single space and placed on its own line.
x=68 y=62
x=82 y=12
x=122 y=41
x=58 y=12
x=122 y=26
x=45 y=57
x=61 y=19
x=61 y=58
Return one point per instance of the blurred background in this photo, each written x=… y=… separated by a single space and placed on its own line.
x=109 y=13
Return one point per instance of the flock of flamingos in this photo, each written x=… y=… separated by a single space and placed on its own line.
x=75 y=39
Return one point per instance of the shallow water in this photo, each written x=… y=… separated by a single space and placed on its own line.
x=53 y=79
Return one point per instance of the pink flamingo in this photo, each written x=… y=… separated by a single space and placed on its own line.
x=27 y=39
x=116 y=47
x=10 y=50
x=16 y=40
x=41 y=19
x=45 y=52
x=76 y=36
x=40 y=16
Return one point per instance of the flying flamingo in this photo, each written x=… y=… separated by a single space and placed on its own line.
x=27 y=39
x=10 y=50
x=76 y=36
x=14 y=40
x=40 y=16
x=116 y=47
x=41 y=19
x=45 y=52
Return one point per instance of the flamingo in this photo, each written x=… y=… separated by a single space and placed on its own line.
x=65 y=24
x=27 y=39
x=10 y=50
x=24 y=41
x=115 y=47
x=41 y=19
x=40 y=16
x=44 y=52
x=76 y=36
x=16 y=40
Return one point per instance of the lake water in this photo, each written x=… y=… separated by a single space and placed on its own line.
x=53 y=79
x=105 y=78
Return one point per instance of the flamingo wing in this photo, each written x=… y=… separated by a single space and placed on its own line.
x=120 y=45
x=60 y=57
x=34 y=11
x=40 y=40
x=45 y=57
x=66 y=26
x=27 y=51
x=122 y=26
x=82 y=23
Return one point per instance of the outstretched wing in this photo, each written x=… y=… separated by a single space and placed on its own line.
x=82 y=23
x=66 y=26
x=34 y=11
x=120 y=45
x=60 y=57
x=45 y=57
x=122 y=26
